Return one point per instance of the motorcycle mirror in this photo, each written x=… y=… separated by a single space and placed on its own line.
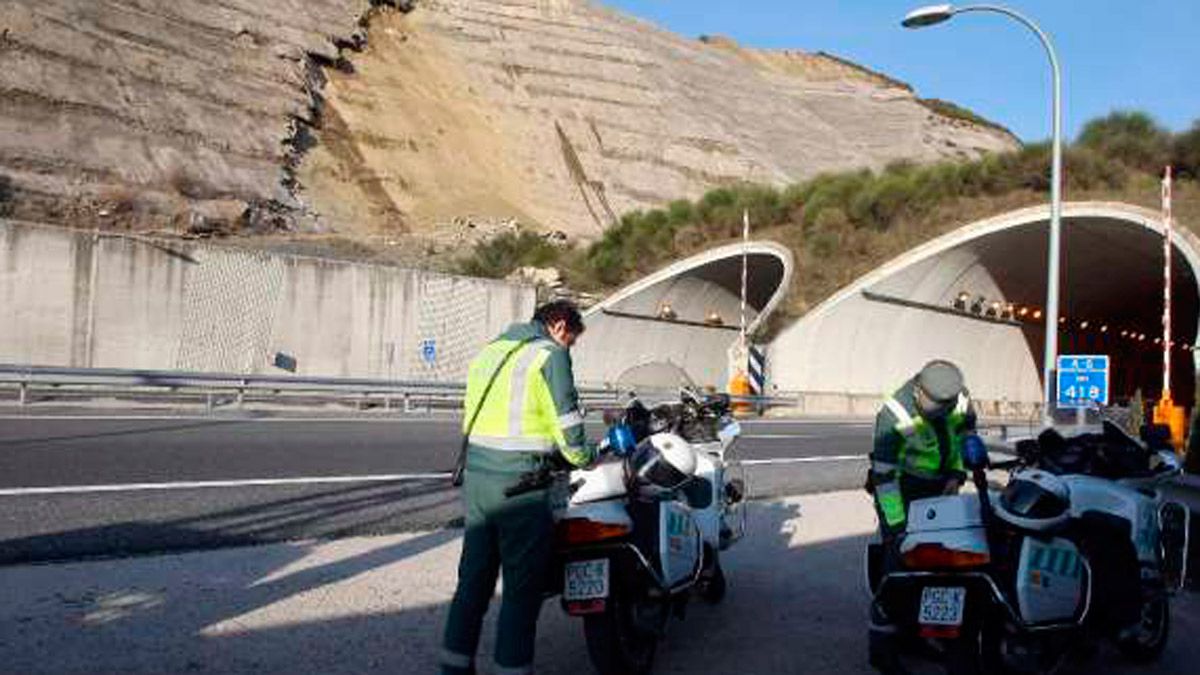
x=975 y=453
x=1156 y=436
x=1169 y=461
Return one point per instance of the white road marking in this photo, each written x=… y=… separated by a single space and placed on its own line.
x=809 y=421
x=193 y=485
x=804 y=460
x=231 y=419
x=778 y=436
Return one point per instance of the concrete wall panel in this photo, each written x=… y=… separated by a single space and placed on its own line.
x=70 y=300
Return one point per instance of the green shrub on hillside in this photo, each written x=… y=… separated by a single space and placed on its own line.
x=855 y=217
x=1185 y=152
x=1130 y=137
x=498 y=257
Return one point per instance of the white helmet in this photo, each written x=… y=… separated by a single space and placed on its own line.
x=664 y=460
x=1035 y=500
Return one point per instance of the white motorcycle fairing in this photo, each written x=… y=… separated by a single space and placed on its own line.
x=953 y=522
x=1111 y=497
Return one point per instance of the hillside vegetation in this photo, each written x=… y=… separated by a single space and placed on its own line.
x=841 y=225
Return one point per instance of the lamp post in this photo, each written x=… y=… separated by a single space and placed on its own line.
x=935 y=14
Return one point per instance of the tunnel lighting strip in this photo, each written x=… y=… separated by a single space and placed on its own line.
x=682 y=322
x=893 y=300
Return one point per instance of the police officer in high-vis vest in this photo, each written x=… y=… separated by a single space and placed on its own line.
x=917 y=453
x=521 y=406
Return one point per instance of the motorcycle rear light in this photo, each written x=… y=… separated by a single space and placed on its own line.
x=944 y=632
x=936 y=556
x=584 y=531
x=581 y=607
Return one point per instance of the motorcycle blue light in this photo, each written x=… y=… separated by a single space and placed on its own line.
x=975 y=454
x=620 y=440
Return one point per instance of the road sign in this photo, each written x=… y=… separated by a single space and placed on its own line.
x=1082 y=380
x=429 y=351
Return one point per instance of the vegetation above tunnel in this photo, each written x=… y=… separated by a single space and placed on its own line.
x=841 y=225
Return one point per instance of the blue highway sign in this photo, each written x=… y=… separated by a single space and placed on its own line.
x=1082 y=380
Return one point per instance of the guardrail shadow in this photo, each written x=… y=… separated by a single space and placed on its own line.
x=34 y=441
x=319 y=513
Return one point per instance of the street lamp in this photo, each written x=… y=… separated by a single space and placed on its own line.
x=935 y=14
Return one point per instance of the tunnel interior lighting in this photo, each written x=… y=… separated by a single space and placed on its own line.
x=1037 y=314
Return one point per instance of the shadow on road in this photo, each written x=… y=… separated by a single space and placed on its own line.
x=34 y=441
x=796 y=604
x=321 y=513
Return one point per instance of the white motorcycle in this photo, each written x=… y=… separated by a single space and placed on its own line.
x=1080 y=545
x=643 y=529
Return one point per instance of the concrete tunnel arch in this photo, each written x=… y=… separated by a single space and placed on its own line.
x=873 y=334
x=626 y=338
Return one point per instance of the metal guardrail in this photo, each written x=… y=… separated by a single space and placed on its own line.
x=216 y=389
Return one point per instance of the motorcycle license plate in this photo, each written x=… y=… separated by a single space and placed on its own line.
x=586 y=580
x=942 y=606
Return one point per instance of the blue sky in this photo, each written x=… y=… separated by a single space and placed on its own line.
x=1128 y=54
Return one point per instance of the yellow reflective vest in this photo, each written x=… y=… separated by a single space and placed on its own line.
x=532 y=406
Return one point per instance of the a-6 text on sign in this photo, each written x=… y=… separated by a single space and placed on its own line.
x=1082 y=380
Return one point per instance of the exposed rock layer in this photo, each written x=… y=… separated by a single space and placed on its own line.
x=563 y=114
x=157 y=112
x=218 y=114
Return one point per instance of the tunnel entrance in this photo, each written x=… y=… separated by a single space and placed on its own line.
x=1111 y=299
x=976 y=296
x=682 y=319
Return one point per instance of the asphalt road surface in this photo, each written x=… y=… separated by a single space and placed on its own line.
x=796 y=604
x=80 y=485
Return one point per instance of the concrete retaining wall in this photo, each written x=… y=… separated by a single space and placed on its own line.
x=68 y=298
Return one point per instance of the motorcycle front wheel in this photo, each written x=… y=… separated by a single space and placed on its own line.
x=1144 y=642
x=616 y=645
x=712 y=584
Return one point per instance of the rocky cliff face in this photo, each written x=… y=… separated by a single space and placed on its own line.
x=341 y=116
x=158 y=113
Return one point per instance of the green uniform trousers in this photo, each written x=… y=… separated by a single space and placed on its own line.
x=509 y=534
x=881 y=631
